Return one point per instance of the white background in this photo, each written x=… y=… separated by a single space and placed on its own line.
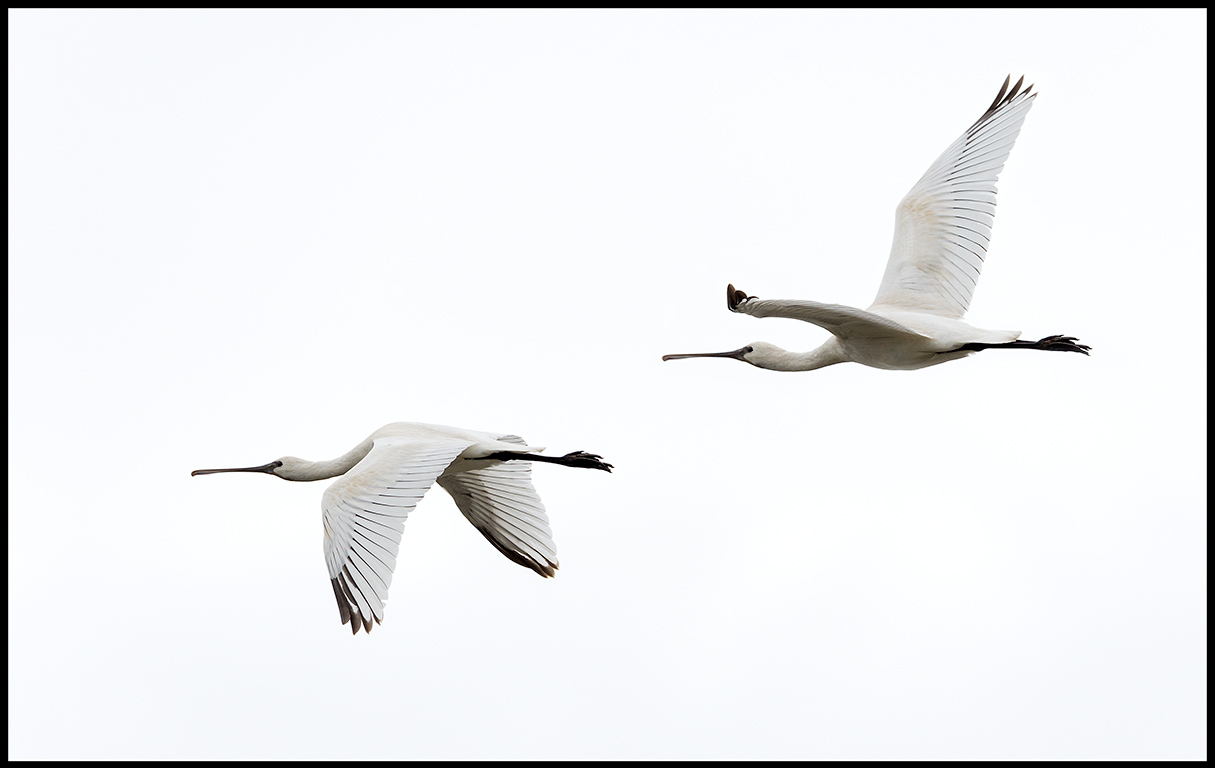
x=239 y=235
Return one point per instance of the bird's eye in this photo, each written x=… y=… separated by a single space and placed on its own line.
x=278 y=463
x=748 y=349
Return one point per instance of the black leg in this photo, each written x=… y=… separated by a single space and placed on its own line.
x=1050 y=343
x=575 y=459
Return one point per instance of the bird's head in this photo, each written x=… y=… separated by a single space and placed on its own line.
x=755 y=353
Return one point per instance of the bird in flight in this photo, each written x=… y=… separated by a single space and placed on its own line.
x=941 y=231
x=382 y=479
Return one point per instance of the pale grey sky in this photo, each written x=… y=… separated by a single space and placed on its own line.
x=239 y=235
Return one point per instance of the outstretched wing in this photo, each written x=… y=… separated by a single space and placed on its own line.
x=844 y=322
x=943 y=225
x=364 y=515
x=502 y=504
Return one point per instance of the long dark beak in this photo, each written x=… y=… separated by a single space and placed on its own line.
x=737 y=354
x=267 y=468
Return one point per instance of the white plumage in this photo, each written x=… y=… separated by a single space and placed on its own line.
x=942 y=229
x=384 y=477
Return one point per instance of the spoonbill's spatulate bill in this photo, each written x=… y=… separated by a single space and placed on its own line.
x=941 y=231
x=383 y=477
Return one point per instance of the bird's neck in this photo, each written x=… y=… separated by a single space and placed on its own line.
x=779 y=359
x=321 y=470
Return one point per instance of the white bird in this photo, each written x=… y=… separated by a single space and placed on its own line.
x=941 y=231
x=383 y=477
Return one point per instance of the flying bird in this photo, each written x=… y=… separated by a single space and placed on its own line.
x=941 y=231
x=382 y=479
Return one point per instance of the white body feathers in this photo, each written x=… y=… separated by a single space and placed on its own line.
x=942 y=229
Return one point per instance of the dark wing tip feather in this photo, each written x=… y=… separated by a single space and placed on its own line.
x=343 y=607
x=1014 y=90
x=735 y=297
x=346 y=601
x=1003 y=98
x=1000 y=95
x=349 y=584
x=546 y=569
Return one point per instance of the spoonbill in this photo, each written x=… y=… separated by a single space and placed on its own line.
x=941 y=231
x=383 y=477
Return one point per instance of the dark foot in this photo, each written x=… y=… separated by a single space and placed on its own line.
x=1062 y=344
x=585 y=460
x=734 y=297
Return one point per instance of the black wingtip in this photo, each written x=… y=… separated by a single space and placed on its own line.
x=1000 y=95
x=547 y=569
x=735 y=297
x=342 y=589
x=1015 y=89
x=343 y=607
x=1003 y=98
